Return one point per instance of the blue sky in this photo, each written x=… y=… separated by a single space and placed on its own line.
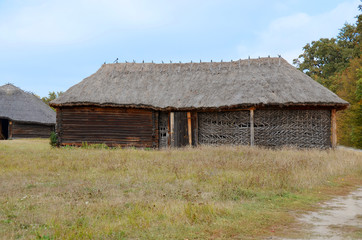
x=50 y=45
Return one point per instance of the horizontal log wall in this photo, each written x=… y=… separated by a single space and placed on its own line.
x=30 y=130
x=112 y=126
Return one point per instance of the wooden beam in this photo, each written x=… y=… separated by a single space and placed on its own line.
x=251 y=127
x=10 y=130
x=189 y=129
x=168 y=130
x=334 y=128
x=172 y=125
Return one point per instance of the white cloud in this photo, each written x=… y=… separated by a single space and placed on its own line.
x=67 y=21
x=288 y=35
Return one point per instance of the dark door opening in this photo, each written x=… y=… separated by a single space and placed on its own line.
x=181 y=137
x=4 y=129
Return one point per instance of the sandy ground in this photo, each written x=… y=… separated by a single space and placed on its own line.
x=349 y=148
x=339 y=218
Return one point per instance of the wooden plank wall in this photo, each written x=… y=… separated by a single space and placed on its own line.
x=30 y=130
x=194 y=128
x=181 y=137
x=112 y=126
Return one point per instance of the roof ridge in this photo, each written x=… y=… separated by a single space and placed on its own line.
x=198 y=62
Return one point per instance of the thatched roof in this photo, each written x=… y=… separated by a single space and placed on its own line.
x=17 y=105
x=182 y=86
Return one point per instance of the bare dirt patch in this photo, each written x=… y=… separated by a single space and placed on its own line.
x=339 y=218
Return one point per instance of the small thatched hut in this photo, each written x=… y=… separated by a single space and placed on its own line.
x=23 y=115
x=264 y=102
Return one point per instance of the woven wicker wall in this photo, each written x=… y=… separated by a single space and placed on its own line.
x=224 y=128
x=302 y=128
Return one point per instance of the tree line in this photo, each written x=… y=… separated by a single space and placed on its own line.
x=336 y=63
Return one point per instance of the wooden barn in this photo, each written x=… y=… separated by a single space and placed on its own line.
x=264 y=102
x=23 y=115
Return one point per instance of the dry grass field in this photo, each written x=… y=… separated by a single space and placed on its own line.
x=191 y=193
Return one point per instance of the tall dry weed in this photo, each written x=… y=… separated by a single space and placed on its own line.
x=205 y=192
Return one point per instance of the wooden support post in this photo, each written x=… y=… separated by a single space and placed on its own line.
x=172 y=124
x=334 y=128
x=10 y=130
x=189 y=129
x=251 y=127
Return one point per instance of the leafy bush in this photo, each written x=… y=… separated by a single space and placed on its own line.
x=53 y=139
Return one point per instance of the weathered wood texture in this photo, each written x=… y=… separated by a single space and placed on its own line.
x=180 y=135
x=183 y=125
x=171 y=129
x=10 y=130
x=189 y=128
x=301 y=128
x=334 y=128
x=112 y=126
x=195 y=128
x=30 y=130
x=163 y=129
x=252 y=132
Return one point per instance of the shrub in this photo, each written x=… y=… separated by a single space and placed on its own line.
x=53 y=139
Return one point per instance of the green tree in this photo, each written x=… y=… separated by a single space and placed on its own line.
x=336 y=63
x=350 y=89
x=323 y=58
x=51 y=96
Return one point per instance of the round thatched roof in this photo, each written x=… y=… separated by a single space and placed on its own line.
x=17 y=105
x=244 y=83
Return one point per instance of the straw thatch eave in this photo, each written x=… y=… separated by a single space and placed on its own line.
x=203 y=86
x=20 y=106
x=201 y=109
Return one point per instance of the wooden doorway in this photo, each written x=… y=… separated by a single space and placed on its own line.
x=177 y=129
x=163 y=129
x=4 y=129
x=181 y=136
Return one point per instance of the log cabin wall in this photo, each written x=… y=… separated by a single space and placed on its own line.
x=30 y=130
x=112 y=126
